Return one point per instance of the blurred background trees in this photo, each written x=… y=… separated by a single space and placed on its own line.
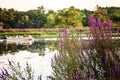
x=65 y=18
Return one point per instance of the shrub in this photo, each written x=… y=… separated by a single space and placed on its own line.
x=98 y=58
x=16 y=72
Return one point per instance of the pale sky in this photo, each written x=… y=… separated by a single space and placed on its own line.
x=25 y=5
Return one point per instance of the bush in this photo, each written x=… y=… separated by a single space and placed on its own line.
x=16 y=72
x=98 y=58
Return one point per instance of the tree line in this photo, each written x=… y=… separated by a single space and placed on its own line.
x=66 y=18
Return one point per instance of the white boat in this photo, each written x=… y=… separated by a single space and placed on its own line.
x=20 y=39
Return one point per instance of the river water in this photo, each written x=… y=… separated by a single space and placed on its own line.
x=37 y=53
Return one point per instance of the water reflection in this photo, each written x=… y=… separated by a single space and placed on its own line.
x=38 y=46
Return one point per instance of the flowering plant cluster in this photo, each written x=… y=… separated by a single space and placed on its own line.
x=16 y=72
x=97 y=58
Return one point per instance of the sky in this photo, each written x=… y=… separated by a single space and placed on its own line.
x=25 y=5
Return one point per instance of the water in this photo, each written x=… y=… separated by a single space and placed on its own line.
x=37 y=53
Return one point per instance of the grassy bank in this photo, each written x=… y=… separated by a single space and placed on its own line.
x=36 y=34
x=39 y=33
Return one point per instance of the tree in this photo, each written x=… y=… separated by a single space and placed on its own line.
x=7 y=17
x=50 y=19
x=69 y=17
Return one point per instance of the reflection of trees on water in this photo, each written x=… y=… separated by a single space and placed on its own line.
x=37 y=46
x=3 y=48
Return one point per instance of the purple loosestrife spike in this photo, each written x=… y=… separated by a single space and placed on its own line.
x=90 y=19
x=27 y=66
x=109 y=52
x=62 y=43
x=92 y=29
x=94 y=23
x=77 y=77
x=118 y=29
x=85 y=75
x=55 y=57
x=80 y=37
x=98 y=22
x=109 y=24
x=40 y=77
x=66 y=32
x=100 y=37
x=106 y=59
x=92 y=43
x=93 y=74
x=10 y=62
x=108 y=37
x=71 y=72
x=6 y=71
x=115 y=68
x=3 y=73
x=110 y=33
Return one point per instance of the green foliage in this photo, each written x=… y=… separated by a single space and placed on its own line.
x=64 y=18
x=68 y=18
x=50 y=19
x=114 y=14
x=7 y=17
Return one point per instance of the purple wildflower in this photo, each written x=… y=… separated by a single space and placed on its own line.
x=6 y=71
x=109 y=24
x=55 y=57
x=110 y=33
x=71 y=72
x=62 y=43
x=10 y=62
x=80 y=37
x=90 y=19
x=40 y=77
x=28 y=67
x=116 y=69
x=91 y=29
x=92 y=43
x=108 y=37
x=94 y=23
x=85 y=75
x=109 y=52
x=93 y=74
x=118 y=29
x=77 y=77
x=98 y=23
x=3 y=73
x=100 y=37
x=66 y=32
x=106 y=59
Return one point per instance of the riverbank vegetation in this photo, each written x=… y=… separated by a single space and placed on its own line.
x=95 y=59
x=65 y=18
